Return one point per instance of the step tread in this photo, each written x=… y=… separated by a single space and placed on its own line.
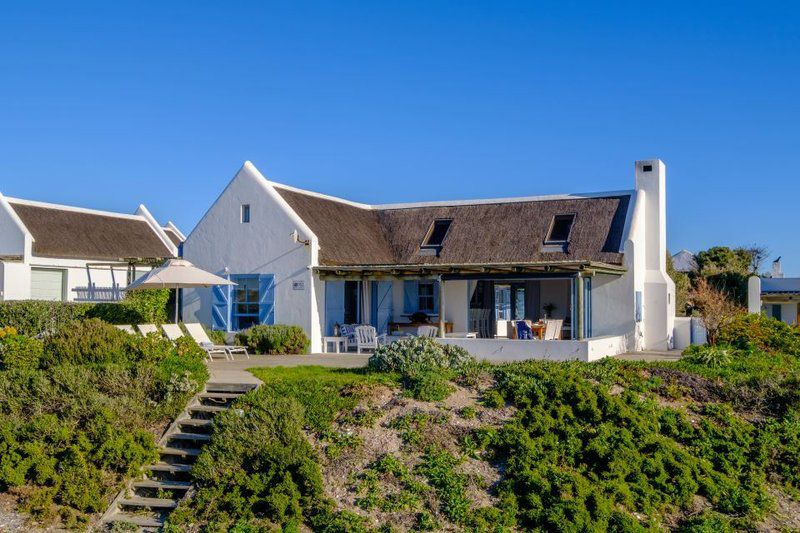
x=164 y=467
x=183 y=435
x=141 y=521
x=160 y=503
x=196 y=422
x=207 y=408
x=220 y=395
x=164 y=485
x=168 y=450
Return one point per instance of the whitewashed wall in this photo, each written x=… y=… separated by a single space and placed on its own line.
x=264 y=246
x=507 y=350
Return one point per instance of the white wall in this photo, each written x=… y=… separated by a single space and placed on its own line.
x=264 y=246
x=612 y=305
x=506 y=350
x=456 y=308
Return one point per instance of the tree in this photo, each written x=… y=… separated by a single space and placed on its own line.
x=715 y=307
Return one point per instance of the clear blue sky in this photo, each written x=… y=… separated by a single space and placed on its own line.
x=112 y=104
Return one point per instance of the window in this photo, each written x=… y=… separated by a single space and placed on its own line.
x=502 y=302
x=245 y=302
x=560 y=228
x=245 y=213
x=425 y=297
x=777 y=312
x=437 y=233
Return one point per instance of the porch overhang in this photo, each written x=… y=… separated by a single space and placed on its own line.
x=466 y=271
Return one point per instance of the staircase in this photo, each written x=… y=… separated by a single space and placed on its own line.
x=146 y=502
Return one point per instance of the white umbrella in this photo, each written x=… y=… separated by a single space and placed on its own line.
x=177 y=274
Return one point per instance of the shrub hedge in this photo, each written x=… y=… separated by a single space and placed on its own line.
x=757 y=331
x=37 y=317
x=418 y=354
x=277 y=339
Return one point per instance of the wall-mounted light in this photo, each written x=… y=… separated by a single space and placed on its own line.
x=296 y=238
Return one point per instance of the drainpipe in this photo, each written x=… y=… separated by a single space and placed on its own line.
x=441 y=308
x=579 y=303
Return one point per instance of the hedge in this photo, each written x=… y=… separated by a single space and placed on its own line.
x=277 y=339
x=35 y=317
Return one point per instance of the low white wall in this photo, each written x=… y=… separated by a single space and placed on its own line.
x=507 y=350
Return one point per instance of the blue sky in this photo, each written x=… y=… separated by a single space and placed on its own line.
x=112 y=104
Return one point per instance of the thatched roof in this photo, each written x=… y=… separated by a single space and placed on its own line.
x=71 y=233
x=483 y=232
x=174 y=237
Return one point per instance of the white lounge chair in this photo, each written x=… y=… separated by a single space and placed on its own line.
x=367 y=338
x=145 y=329
x=127 y=328
x=172 y=331
x=552 y=329
x=201 y=337
x=427 y=331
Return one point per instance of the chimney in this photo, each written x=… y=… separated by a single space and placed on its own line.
x=651 y=179
x=777 y=271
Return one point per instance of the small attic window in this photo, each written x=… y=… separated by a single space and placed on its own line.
x=245 y=214
x=437 y=233
x=560 y=228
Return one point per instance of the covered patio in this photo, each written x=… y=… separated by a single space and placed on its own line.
x=478 y=307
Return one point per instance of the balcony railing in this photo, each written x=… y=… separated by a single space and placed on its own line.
x=93 y=293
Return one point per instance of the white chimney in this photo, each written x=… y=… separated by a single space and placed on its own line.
x=651 y=178
x=777 y=271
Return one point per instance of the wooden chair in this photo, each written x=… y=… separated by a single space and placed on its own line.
x=552 y=329
x=427 y=331
x=367 y=338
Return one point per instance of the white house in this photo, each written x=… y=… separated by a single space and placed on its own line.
x=595 y=261
x=774 y=295
x=58 y=252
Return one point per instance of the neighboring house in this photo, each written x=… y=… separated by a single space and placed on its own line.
x=684 y=261
x=774 y=295
x=595 y=261
x=58 y=252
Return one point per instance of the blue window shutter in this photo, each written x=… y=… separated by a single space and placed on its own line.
x=383 y=303
x=334 y=305
x=220 y=307
x=435 y=297
x=410 y=296
x=266 y=298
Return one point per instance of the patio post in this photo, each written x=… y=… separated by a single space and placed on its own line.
x=580 y=311
x=441 y=308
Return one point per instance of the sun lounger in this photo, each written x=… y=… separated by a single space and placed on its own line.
x=201 y=337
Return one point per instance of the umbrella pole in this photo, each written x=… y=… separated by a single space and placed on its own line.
x=176 y=304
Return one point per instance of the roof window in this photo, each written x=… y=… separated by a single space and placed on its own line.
x=560 y=229
x=437 y=233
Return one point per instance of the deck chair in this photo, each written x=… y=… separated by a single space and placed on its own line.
x=200 y=336
x=367 y=338
x=145 y=329
x=427 y=331
x=172 y=331
x=127 y=328
x=552 y=329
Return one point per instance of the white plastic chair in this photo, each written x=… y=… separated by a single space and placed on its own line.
x=552 y=329
x=201 y=337
x=427 y=331
x=367 y=338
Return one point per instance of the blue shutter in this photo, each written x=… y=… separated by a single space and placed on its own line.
x=266 y=298
x=382 y=305
x=334 y=305
x=220 y=307
x=410 y=296
x=435 y=297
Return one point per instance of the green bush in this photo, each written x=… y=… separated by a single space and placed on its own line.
x=748 y=331
x=36 y=317
x=20 y=352
x=428 y=386
x=216 y=336
x=277 y=339
x=87 y=341
x=711 y=356
x=416 y=354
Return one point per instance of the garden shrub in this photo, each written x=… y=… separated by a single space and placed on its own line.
x=415 y=354
x=428 y=385
x=275 y=339
x=87 y=341
x=757 y=331
x=19 y=351
x=710 y=356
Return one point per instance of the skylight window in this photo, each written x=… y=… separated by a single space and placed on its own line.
x=437 y=233
x=560 y=229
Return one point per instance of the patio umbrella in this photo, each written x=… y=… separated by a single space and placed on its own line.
x=177 y=274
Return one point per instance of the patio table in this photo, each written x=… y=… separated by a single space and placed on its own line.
x=339 y=344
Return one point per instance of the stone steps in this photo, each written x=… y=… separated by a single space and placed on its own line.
x=136 y=503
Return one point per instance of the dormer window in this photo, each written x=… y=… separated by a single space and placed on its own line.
x=437 y=233
x=560 y=229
